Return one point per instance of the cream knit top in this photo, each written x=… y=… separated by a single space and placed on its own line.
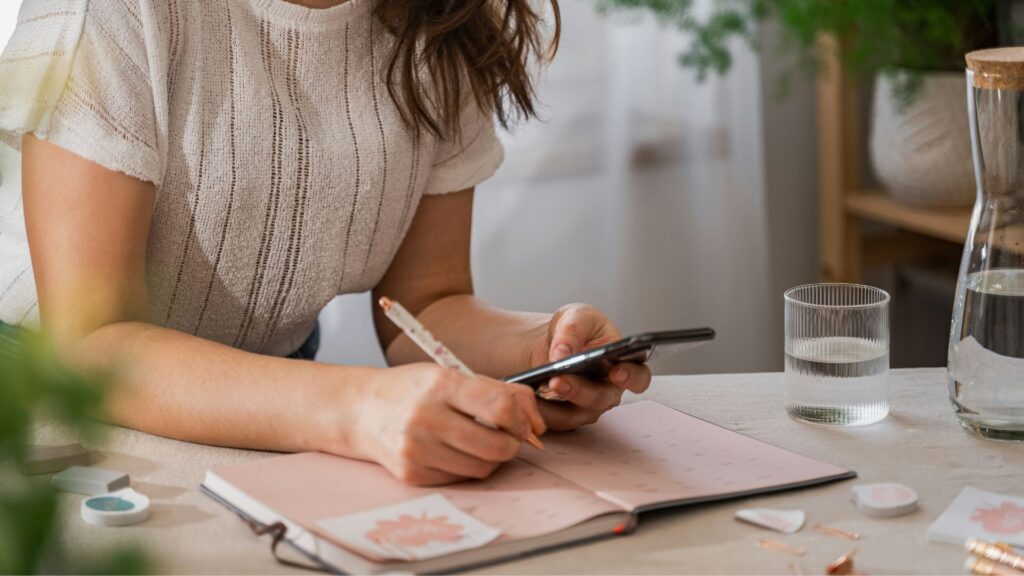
x=284 y=175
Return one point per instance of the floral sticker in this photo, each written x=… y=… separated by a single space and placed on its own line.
x=1007 y=518
x=412 y=530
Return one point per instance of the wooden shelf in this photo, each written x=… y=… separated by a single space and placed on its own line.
x=923 y=236
x=945 y=223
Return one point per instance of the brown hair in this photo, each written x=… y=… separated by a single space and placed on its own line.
x=482 y=48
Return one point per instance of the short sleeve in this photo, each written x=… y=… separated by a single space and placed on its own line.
x=77 y=73
x=469 y=158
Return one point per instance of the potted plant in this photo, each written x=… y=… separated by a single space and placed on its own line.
x=920 y=146
x=36 y=387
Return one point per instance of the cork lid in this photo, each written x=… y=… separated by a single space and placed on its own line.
x=998 y=68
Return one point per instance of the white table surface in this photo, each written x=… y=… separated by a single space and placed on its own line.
x=920 y=444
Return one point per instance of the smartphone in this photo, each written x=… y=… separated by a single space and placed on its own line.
x=597 y=362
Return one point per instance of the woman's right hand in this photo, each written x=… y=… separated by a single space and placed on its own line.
x=419 y=422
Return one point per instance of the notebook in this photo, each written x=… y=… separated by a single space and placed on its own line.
x=590 y=483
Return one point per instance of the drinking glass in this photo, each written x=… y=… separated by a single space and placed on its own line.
x=837 y=354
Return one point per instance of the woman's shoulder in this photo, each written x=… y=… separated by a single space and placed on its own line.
x=129 y=28
x=121 y=31
x=89 y=75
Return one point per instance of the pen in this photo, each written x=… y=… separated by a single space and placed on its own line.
x=998 y=552
x=437 y=351
x=984 y=567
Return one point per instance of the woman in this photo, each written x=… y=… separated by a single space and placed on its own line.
x=200 y=177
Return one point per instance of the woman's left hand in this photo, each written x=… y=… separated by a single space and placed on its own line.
x=574 y=328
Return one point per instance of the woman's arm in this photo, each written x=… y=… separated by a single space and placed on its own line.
x=88 y=228
x=431 y=276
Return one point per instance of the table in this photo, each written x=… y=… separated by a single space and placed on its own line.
x=920 y=444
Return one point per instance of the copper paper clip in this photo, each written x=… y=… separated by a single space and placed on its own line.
x=837 y=532
x=843 y=565
x=780 y=547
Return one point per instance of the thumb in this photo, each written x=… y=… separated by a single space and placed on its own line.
x=570 y=330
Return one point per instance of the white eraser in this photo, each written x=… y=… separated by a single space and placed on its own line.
x=885 y=499
x=788 y=521
x=121 y=508
x=89 y=481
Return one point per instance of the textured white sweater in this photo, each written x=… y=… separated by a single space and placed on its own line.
x=284 y=175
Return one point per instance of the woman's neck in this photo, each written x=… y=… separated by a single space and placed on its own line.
x=317 y=4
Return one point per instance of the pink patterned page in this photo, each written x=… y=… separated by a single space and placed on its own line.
x=519 y=499
x=645 y=454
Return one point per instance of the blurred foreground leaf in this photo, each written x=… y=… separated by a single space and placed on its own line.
x=36 y=387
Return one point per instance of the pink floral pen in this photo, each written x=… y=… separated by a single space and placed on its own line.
x=433 y=347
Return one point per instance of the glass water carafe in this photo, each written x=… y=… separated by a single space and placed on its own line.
x=986 y=344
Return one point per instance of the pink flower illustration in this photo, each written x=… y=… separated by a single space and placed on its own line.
x=415 y=532
x=1007 y=518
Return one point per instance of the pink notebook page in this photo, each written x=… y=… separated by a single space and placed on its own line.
x=645 y=453
x=519 y=499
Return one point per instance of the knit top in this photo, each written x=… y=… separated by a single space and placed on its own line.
x=284 y=174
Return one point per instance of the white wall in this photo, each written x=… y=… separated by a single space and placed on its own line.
x=8 y=18
x=663 y=224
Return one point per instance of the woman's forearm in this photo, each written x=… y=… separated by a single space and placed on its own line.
x=491 y=341
x=176 y=385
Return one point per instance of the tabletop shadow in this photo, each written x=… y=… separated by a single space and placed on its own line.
x=158 y=491
x=175 y=515
x=133 y=465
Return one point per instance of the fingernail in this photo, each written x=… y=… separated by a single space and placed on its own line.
x=549 y=395
x=619 y=376
x=562 y=387
x=563 y=349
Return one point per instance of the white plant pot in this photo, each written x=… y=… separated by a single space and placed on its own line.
x=921 y=152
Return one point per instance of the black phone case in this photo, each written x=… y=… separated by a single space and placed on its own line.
x=598 y=361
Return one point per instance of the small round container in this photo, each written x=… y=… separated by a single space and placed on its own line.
x=885 y=500
x=121 y=508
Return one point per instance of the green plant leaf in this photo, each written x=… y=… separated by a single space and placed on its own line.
x=876 y=35
x=35 y=384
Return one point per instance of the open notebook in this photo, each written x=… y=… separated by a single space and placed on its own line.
x=589 y=483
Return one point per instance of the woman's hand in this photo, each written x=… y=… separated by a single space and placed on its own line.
x=574 y=328
x=418 y=421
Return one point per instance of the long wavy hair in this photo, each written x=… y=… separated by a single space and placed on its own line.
x=482 y=49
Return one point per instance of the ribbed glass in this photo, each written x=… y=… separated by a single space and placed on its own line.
x=837 y=353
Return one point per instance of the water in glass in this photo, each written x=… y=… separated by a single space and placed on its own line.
x=838 y=380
